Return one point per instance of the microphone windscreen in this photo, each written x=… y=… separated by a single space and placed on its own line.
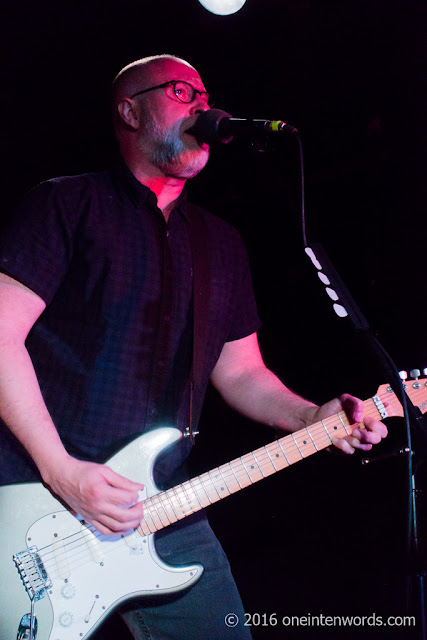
x=207 y=127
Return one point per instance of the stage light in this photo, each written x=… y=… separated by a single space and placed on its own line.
x=222 y=7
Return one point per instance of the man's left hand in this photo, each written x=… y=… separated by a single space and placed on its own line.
x=361 y=438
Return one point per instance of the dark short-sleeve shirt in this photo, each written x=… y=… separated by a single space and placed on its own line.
x=113 y=348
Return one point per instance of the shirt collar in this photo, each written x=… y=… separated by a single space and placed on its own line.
x=139 y=193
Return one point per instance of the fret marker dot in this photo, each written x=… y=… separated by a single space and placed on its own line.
x=335 y=428
x=222 y=488
x=277 y=455
x=304 y=442
x=252 y=467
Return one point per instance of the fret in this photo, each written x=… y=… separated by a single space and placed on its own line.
x=200 y=492
x=152 y=513
x=166 y=497
x=230 y=478
x=246 y=471
x=309 y=433
x=283 y=451
x=219 y=484
x=252 y=467
x=206 y=481
x=147 y=518
x=178 y=507
x=293 y=454
x=320 y=435
x=305 y=445
x=240 y=485
x=157 y=503
x=193 y=497
x=271 y=459
x=327 y=432
x=267 y=466
x=144 y=528
x=293 y=438
x=277 y=455
x=188 y=499
x=343 y=424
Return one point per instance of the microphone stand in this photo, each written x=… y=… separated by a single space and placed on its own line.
x=345 y=306
x=415 y=423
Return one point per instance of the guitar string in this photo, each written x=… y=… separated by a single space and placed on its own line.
x=229 y=471
x=180 y=490
x=260 y=455
x=260 y=459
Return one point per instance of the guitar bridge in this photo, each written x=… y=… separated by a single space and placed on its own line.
x=33 y=574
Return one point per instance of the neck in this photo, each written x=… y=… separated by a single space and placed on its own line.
x=166 y=188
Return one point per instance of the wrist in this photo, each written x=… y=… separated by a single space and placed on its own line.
x=50 y=464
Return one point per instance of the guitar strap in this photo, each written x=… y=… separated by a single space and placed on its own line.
x=201 y=299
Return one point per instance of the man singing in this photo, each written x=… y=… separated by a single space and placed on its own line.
x=97 y=332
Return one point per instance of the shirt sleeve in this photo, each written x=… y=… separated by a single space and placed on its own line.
x=37 y=246
x=245 y=318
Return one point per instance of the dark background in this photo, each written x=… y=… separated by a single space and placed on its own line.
x=327 y=535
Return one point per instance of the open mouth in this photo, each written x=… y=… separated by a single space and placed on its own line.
x=190 y=132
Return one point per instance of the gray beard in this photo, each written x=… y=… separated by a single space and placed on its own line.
x=170 y=154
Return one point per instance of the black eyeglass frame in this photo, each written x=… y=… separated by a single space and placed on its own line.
x=174 y=83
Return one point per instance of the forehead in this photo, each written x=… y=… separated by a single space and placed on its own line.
x=173 y=70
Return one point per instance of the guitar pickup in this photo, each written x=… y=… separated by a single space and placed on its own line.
x=33 y=574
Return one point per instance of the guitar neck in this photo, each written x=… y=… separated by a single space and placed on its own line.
x=201 y=491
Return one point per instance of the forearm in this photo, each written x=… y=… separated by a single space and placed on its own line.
x=23 y=409
x=260 y=395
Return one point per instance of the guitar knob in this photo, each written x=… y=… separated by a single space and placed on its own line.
x=66 y=619
x=425 y=372
x=403 y=375
x=68 y=591
x=415 y=374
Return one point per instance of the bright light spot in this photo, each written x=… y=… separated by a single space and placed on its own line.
x=222 y=7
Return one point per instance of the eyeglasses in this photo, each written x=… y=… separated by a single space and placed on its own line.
x=183 y=91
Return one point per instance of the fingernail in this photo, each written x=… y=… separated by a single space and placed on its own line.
x=358 y=417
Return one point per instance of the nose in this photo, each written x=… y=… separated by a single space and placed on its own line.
x=199 y=105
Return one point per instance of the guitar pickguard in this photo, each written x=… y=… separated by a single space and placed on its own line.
x=89 y=573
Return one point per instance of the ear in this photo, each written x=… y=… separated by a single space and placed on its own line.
x=128 y=113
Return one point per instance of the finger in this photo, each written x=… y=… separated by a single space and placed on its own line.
x=365 y=436
x=122 y=514
x=352 y=406
x=119 y=496
x=116 y=480
x=109 y=527
x=117 y=520
x=373 y=425
x=343 y=445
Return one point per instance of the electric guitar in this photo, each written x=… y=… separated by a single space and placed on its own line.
x=74 y=576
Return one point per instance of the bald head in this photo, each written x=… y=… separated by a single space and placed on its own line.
x=139 y=74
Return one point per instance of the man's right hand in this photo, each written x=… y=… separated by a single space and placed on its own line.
x=100 y=495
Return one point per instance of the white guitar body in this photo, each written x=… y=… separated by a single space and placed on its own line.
x=90 y=574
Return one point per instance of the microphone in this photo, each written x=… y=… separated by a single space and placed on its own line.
x=217 y=126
